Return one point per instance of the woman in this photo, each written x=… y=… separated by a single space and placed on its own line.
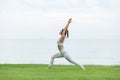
x=63 y=53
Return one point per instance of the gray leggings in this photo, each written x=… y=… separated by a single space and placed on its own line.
x=67 y=57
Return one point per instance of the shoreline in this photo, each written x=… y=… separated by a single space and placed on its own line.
x=60 y=64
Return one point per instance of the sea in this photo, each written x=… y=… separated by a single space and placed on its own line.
x=39 y=51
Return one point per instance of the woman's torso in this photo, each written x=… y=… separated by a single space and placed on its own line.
x=60 y=43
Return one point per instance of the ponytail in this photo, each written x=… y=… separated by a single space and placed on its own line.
x=67 y=32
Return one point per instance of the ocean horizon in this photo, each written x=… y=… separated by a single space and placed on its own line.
x=39 y=51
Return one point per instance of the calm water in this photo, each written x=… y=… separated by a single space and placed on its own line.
x=39 y=51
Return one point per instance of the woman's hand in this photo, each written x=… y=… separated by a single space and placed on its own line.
x=70 y=20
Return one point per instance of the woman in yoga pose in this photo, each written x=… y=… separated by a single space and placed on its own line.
x=62 y=52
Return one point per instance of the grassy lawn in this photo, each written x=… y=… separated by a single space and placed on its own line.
x=57 y=72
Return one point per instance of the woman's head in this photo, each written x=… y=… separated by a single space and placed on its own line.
x=66 y=33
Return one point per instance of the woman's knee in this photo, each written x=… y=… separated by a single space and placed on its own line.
x=52 y=57
x=55 y=56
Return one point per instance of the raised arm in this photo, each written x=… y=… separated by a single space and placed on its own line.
x=66 y=27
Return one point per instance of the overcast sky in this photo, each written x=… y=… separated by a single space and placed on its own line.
x=44 y=18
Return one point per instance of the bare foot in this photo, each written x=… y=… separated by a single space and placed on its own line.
x=49 y=67
x=84 y=69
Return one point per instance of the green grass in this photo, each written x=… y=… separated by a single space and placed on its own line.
x=57 y=72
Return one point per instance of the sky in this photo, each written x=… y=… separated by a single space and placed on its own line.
x=36 y=19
